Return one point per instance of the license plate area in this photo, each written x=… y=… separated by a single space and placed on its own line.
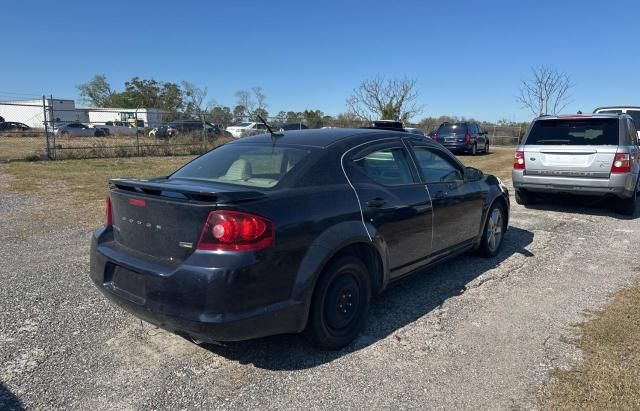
x=126 y=283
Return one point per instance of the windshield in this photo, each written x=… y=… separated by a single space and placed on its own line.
x=590 y=132
x=453 y=129
x=252 y=165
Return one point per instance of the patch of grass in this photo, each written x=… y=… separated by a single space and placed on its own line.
x=498 y=162
x=609 y=376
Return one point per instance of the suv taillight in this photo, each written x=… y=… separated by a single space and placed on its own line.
x=108 y=218
x=435 y=136
x=518 y=161
x=467 y=138
x=235 y=231
x=621 y=163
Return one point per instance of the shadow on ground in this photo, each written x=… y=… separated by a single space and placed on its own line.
x=8 y=401
x=596 y=206
x=402 y=303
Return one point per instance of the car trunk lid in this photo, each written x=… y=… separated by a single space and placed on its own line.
x=164 y=218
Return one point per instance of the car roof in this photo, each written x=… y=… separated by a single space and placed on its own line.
x=617 y=108
x=319 y=137
x=579 y=116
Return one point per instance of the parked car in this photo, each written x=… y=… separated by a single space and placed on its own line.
x=77 y=130
x=11 y=126
x=466 y=137
x=580 y=154
x=292 y=126
x=246 y=129
x=633 y=111
x=178 y=127
x=242 y=243
x=121 y=128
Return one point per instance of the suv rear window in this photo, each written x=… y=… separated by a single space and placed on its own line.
x=452 y=128
x=252 y=165
x=575 y=132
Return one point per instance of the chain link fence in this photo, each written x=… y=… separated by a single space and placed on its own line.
x=51 y=128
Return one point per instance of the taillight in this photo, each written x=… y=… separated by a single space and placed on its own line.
x=235 y=231
x=108 y=220
x=467 y=138
x=435 y=136
x=621 y=163
x=518 y=161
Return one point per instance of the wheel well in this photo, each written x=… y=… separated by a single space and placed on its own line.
x=371 y=259
x=501 y=200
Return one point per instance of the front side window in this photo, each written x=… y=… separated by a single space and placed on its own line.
x=253 y=165
x=435 y=167
x=387 y=166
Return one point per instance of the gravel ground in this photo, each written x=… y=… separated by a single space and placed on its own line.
x=473 y=333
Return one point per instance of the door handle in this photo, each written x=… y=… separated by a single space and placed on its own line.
x=376 y=203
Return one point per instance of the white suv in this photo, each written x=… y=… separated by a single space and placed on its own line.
x=246 y=129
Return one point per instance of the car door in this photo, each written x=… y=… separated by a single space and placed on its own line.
x=457 y=204
x=393 y=200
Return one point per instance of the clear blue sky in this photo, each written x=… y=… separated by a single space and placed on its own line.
x=467 y=56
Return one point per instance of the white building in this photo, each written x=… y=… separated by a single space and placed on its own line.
x=147 y=117
x=32 y=112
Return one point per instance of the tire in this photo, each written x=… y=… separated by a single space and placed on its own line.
x=474 y=149
x=494 y=229
x=524 y=197
x=627 y=206
x=486 y=147
x=340 y=304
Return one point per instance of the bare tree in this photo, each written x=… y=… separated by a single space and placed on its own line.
x=245 y=100
x=260 y=97
x=194 y=98
x=379 y=98
x=546 y=92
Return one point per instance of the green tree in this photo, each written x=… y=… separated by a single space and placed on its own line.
x=313 y=119
x=221 y=115
x=96 y=92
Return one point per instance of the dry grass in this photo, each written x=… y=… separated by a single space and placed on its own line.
x=498 y=162
x=609 y=376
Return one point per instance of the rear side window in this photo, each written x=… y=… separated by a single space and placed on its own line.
x=452 y=128
x=435 y=167
x=252 y=165
x=388 y=167
x=575 y=132
x=635 y=115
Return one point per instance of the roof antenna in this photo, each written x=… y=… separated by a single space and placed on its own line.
x=273 y=133
x=579 y=112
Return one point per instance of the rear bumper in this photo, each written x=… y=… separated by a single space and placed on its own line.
x=196 y=300
x=457 y=146
x=619 y=185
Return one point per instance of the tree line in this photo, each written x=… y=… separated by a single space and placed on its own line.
x=546 y=92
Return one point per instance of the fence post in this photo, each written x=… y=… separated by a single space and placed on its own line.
x=52 y=119
x=204 y=133
x=135 y=118
x=46 y=126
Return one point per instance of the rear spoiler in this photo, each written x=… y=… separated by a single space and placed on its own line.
x=197 y=192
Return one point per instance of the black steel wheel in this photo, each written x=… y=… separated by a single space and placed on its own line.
x=340 y=304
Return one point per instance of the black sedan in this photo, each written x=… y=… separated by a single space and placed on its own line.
x=290 y=233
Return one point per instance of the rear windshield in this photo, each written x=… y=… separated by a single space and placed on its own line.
x=452 y=128
x=252 y=165
x=589 y=132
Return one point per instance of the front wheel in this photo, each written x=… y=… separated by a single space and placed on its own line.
x=494 y=229
x=340 y=304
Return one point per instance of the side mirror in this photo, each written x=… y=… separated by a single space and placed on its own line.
x=472 y=174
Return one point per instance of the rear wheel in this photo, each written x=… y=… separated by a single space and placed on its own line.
x=524 y=197
x=627 y=206
x=486 y=147
x=494 y=230
x=474 y=149
x=340 y=304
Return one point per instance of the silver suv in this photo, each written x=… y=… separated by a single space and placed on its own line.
x=594 y=154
